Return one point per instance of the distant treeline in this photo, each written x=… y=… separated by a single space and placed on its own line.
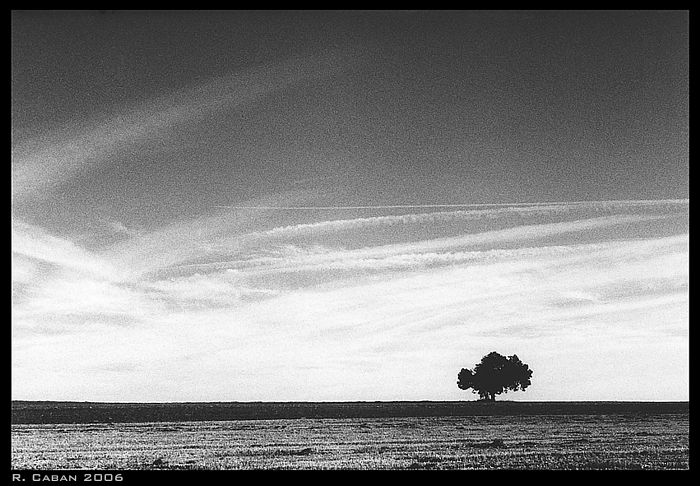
x=29 y=412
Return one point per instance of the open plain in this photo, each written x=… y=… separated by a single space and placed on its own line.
x=507 y=435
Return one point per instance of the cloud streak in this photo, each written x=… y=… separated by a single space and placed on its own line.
x=39 y=166
x=517 y=234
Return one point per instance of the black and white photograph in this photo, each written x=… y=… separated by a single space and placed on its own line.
x=247 y=240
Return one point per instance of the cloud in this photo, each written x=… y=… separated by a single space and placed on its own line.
x=284 y=320
x=405 y=253
x=119 y=228
x=181 y=241
x=524 y=210
x=40 y=165
x=33 y=244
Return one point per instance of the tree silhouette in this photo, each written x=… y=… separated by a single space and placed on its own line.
x=495 y=374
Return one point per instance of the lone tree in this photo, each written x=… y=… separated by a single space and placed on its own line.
x=494 y=375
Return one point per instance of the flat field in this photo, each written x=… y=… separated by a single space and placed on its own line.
x=645 y=439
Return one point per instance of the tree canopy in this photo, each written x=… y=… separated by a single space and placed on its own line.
x=495 y=374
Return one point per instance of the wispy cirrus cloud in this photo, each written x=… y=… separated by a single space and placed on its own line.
x=517 y=234
x=40 y=165
x=480 y=212
x=406 y=309
x=30 y=242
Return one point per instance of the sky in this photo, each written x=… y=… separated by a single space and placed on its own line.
x=348 y=205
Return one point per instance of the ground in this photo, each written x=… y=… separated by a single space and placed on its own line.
x=558 y=441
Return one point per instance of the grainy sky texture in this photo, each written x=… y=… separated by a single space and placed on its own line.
x=348 y=205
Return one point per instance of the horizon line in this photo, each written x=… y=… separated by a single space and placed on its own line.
x=359 y=401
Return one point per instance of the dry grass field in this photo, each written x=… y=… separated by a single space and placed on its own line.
x=593 y=441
